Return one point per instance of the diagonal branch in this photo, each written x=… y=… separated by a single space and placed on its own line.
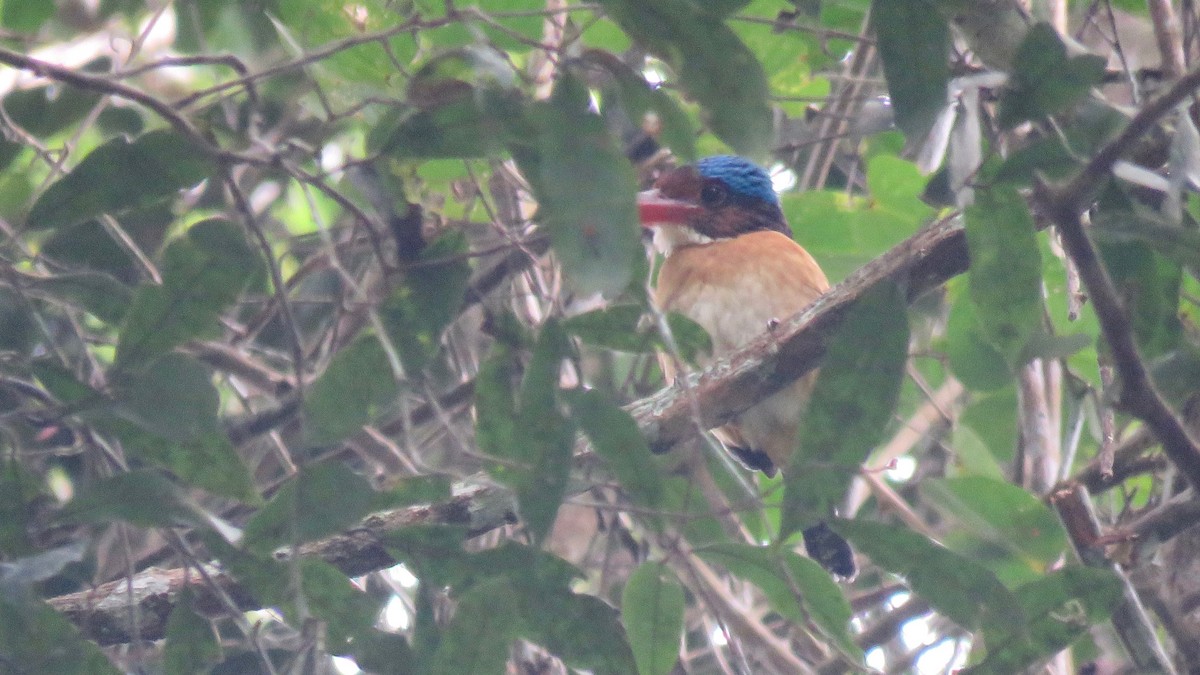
x=925 y=261
x=1064 y=205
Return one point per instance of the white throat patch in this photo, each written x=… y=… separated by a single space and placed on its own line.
x=668 y=237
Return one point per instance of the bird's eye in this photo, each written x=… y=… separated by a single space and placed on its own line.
x=712 y=195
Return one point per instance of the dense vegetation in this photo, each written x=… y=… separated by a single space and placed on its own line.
x=324 y=332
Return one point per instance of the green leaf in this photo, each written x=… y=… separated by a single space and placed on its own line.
x=203 y=272
x=1000 y=515
x=850 y=407
x=1043 y=80
x=1061 y=607
x=714 y=66
x=207 y=461
x=25 y=16
x=640 y=99
x=585 y=190
x=616 y=327
x=914 y=45
x=122 y=175
x=544 y=439
x=1143 y=256
x=35 y=638
x=974 y=361
x=465 y=103
x=351 y=392
x=962 y=589
x=191 y=643
x=141 y=497
x=1006 y=271
x=330 y=596
x=495 y=404
x=824 y=600
x=428 y=299
x=615 y=437
x=172 y=397
x=582 y=630
x=100 y=294
x=44 y=111
x=385 y=653
x=478 y=637
x=620 y=328
x=322 y=499
x=652 y=606
x=787 y=584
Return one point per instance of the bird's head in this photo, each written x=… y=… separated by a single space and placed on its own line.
x=716 y=198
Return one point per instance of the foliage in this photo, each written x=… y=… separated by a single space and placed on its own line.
x=276 y=271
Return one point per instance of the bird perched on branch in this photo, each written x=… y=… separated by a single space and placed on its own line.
x=732 y=267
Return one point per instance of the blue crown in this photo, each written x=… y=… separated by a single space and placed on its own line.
x=741 y=175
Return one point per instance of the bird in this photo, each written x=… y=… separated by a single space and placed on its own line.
x=731 y=265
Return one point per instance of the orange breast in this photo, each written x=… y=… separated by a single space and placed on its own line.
x=734 y=288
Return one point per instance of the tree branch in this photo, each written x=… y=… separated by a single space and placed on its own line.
x=1063 y=205
x=924 y=261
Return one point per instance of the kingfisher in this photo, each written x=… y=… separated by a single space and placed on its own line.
x=732 y=266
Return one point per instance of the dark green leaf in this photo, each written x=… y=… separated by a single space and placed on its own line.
x=824 y=600
x=478 y=637
x=583 y=630
x=585 y=189
x=714 y=66
x=62 y=384
x=270 y=579
x=203 y=272
x=98 y=293
x=19 y=488
x=796 y=587
x=1143 y=256
x=141 y=497
x=34 y=638
x=331 y=597
x=640 y=99
x=191 y=643
x=414 y=490
x=351 y=392
x=428 y=299
x=1061 y=607
x=613 y=327
x=974 y=361
x=321 y=500
x=465 y=103
x=384 y=653
x=620 y=328
x=121 y=175
x=1006 y=271
x=18 y=328
x=173 y=397
x=956 y=586
x=652 y=606
x=914 y=45
x=544 y=439
x=1002 y=515
x=1042 y=345
x=495 y=404
x=616 y=438
x=207 y=461
x=850 y=407
x=1044 y=80
x=44 y=111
